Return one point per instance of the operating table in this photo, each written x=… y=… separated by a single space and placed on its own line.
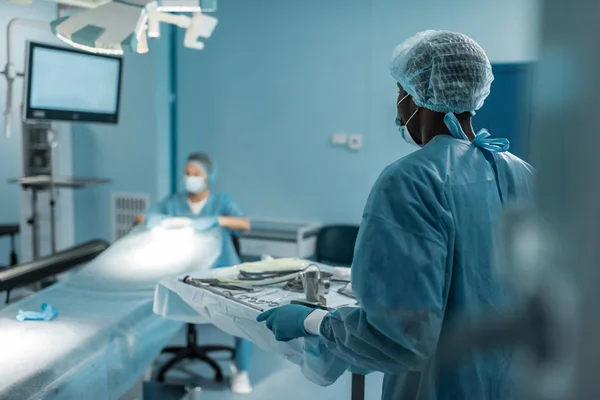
x=105 y=335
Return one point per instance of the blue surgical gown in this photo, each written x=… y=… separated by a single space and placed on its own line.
x=217 y=205
x=424 y=254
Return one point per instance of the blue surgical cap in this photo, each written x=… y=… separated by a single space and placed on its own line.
x=443 y=71
x=203 y=161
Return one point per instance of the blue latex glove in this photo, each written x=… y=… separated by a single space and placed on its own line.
x=286 y=322
x=205 y=224
x=48 y=312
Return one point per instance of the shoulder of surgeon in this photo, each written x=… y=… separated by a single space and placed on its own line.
x=416 y=180
x=429 y=165
x=414 y=189
x=225 y=204
x=445 y=162
x=516 y=162
x=220 y=196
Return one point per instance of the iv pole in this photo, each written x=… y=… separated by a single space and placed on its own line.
x=53 y=143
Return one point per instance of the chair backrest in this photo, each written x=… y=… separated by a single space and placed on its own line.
x=236 y=244
x=335 y=244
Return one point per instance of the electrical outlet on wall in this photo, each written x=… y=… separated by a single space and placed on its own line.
x=355 y=142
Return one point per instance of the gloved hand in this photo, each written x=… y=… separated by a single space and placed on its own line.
x=286 y=322
x=205 y=224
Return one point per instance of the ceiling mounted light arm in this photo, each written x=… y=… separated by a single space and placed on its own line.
x=155 y=17
x=197 y=26
x=202 y=26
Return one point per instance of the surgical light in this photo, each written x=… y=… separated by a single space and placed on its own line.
x=153 y=24
x=112 y=28
x=124 y=25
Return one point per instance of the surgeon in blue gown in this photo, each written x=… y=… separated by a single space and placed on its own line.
x=425 y=251
x=210 y=209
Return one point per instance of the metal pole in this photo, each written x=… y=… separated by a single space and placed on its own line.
x=173 y=109
x=9 y=70
x=53 y=143
x=565 y=150
x=34 y=224
x=13 y=254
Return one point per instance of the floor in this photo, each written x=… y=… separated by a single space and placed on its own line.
x=272 y=376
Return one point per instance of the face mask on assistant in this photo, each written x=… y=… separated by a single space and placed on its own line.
x=195 y=184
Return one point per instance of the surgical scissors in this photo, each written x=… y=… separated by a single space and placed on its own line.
x=260 y=300
x=256 y=299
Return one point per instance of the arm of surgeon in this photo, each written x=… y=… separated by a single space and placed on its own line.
x=236 y=224
x=398 y=275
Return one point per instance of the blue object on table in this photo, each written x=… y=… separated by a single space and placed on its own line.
x=48 y=313
x=286 y=322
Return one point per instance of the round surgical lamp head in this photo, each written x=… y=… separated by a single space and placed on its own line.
x=112 y=28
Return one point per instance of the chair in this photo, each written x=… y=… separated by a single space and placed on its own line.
x=12 y=231
x=191 y=350
x=335 y=246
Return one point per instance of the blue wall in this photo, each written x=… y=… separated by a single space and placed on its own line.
x=278 y=78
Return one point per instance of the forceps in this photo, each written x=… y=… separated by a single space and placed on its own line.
x=259 y=300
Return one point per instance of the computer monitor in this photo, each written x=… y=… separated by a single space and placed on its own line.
x=63 y=84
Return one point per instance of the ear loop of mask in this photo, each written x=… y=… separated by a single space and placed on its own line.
x=415 y=113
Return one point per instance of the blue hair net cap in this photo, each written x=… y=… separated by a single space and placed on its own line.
x=203 y=161
x=443 y=71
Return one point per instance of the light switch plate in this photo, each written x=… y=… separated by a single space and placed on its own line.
x=339 y=139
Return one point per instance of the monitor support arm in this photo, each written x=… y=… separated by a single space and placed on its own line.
x=9 y=71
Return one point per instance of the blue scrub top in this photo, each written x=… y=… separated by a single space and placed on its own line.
x=217 y=205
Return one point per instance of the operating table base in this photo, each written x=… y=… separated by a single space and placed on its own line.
x=193 y=352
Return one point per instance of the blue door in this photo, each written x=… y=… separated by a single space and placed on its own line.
x=506 y=112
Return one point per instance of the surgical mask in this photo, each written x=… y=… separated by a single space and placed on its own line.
x=403 y=129
x=195 y=184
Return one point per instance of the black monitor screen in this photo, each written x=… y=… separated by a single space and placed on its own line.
x=70 y=85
